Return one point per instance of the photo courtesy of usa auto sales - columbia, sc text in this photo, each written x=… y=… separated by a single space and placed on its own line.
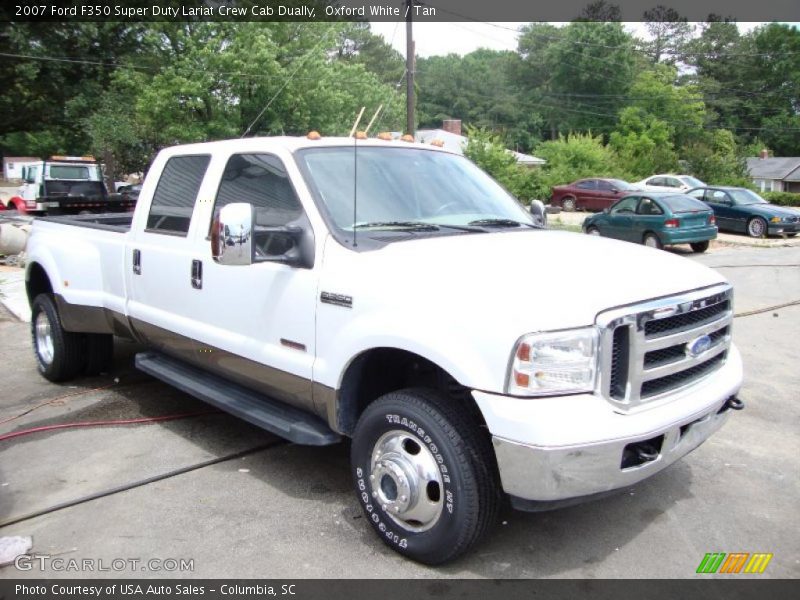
x=306 y=12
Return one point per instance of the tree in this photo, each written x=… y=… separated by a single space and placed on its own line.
x=669 y=33
x=486 y=150
x=642 y=143
x=716 y=159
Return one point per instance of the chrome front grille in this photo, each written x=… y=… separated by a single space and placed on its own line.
x=650 y=350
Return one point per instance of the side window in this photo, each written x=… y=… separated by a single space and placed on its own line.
x=605 y=186
x=656 y=181
x=672 y=182
x=717 y=197
x=261 y=180
x=648 y=206
x=33 y=172
x=176 y=193
x=586 y=185
x=625 y=206
x=697 y=193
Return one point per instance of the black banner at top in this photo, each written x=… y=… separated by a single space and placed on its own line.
x=496 y=11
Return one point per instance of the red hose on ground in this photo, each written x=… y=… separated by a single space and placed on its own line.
x=14 y=434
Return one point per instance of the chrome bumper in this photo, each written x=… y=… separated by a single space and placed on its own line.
x=548 y=474
x=553 y=449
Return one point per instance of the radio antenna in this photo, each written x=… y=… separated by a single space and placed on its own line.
x=372 y=120
x=355 y=171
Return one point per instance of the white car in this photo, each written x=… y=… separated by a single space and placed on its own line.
x=669 y=183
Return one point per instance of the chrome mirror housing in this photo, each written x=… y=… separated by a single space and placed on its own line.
x=539 y=213
x=232 y=235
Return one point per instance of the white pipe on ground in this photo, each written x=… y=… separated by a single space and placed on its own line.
x=13 y=238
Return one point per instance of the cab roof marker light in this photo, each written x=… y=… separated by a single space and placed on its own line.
x=314 y=135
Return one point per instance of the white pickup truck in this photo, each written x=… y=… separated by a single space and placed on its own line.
x=395 y=294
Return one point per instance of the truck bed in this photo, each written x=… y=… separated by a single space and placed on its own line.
x=116 y=222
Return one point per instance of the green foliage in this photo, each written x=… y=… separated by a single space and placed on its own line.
x=715 y=159
x=782 y=198
x=488 y=152
x=642 y=143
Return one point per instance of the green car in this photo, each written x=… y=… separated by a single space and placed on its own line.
x=656 y=219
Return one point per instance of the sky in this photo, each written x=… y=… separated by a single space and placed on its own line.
x=433 y=39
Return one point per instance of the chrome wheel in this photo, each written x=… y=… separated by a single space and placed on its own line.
x=756 y=227
x=406 y=481
x=568 y=204
x=44 y=339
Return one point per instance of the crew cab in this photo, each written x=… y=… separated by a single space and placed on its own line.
x=65 y=185
x=395 y=294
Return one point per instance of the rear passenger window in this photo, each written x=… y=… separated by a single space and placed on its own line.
x=260 y=180
x=175 y=195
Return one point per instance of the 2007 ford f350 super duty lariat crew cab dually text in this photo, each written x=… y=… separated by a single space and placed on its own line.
x=393 y=293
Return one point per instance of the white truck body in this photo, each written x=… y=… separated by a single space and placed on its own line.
x=459 y=302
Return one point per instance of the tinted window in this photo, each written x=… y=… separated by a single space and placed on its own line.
x=683 y=203
x=69 y=172
x=586 y=185
x=648 y=206
x=717 y=197
x=260 y=180
x=175 y=195
x=656 y=181
x=626 y=205
x=672 y=182
x=697 y=194
x=605 y=186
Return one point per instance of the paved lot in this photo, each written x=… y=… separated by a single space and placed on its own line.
x=289 y=511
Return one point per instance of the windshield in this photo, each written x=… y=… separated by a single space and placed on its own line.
x=401 y=186
x=746 y=197
x=692 y=181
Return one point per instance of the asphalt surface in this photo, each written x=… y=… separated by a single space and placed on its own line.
x=289 y=511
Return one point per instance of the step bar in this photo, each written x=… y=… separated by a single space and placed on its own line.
x=276 y=417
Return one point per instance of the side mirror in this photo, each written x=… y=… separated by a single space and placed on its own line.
x=232 y=235
x=539 y=213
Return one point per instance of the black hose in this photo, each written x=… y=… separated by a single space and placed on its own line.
x=140 y=483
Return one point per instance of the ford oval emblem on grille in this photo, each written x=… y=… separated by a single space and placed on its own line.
x=698 y=346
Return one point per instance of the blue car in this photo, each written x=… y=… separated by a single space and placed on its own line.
x=744 y=211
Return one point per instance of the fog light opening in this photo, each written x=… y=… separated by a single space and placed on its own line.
x=640 y=453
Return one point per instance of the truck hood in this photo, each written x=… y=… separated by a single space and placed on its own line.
x=525 y=280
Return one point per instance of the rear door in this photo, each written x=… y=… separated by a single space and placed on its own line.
x=585 y=193
x=159 y=259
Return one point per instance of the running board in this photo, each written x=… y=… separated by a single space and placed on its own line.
x=276 y=417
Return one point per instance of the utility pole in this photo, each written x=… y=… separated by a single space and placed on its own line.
x=409 y=70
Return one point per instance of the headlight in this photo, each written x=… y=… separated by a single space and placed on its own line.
x=561 y=362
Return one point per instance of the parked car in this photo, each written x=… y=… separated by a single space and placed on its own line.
x=656 y=219
x=669 y=183
x=743 y=211
x=590 y=194
x=394 y=322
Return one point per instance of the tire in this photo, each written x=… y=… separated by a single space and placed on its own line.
x=60 y=355
x=699 y=247
x=592 y=230
x=651 y=240
x=99 y=353
x=422 y=438
x=568 y=204
x=757 y=227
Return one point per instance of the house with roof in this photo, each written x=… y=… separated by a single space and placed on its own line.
x=452 y=140
x=775 y=174
x=12 y=165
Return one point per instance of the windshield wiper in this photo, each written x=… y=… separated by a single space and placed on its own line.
x=415 y=225
x=501 y=223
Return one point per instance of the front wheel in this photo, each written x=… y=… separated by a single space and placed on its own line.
x=651 y=240
x=592 y=230
x=569 y=204
x=756 y=227
x=425 y=475
x=60 y=355
x=699 y=247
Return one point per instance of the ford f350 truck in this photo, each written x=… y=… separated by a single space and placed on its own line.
x=395 y=294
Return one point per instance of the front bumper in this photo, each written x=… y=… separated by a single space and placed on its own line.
x=558 y=448
x=781 y=228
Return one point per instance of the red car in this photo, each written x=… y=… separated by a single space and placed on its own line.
x=590 y=194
